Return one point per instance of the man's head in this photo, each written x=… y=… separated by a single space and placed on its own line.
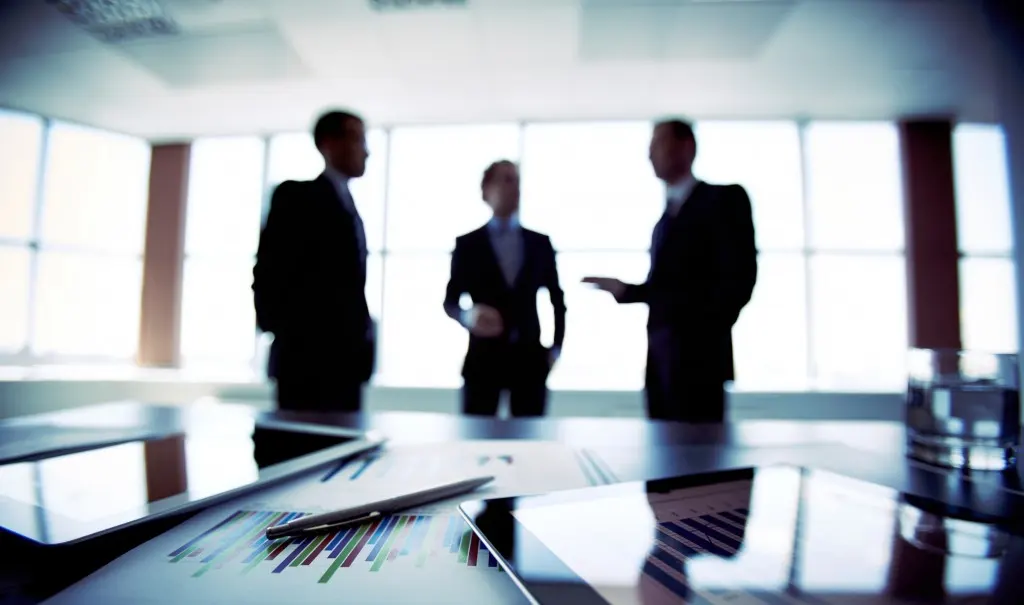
x=673 y=148
x=500 y=187
x=340 y=137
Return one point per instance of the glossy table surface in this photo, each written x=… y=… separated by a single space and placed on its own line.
x=630 y=449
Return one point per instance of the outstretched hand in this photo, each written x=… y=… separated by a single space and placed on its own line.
x=611 y=285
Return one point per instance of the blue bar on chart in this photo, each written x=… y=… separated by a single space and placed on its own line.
x=362 y=468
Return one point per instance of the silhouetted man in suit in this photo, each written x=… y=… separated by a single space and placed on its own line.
x=310 y=275
x=502 y=266
x=703 y=270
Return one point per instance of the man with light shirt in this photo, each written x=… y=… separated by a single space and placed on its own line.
x=310 y=278
x=703 y=271
x=502 y=266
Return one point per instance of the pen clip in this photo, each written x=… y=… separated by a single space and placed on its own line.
x=318 y=529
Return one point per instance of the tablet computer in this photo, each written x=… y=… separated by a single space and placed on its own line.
x=775 y=535
x=73 y=496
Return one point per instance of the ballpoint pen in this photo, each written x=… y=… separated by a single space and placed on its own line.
x=280 y=531
x=373 y=510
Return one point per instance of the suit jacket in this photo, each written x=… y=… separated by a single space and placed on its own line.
x=703 y=271
x=477 y=272
x=309 y=285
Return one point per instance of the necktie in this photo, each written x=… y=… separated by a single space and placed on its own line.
x=507 y=245
x=350 y=205
x=659 y=231
x=659 y=235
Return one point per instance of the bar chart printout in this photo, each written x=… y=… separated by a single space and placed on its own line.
x=238 y=545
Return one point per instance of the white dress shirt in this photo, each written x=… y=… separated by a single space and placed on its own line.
x=507 y=241
x=677 y=194
x=340 y=182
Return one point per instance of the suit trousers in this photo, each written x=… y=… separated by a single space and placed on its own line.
x=528 y=397
x=319 y=393
x=673 y=391
x=523 y=372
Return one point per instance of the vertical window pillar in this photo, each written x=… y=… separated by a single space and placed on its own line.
x=163 y=262
x=932 y=254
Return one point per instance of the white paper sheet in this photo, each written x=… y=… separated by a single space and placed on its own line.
x=427 y=555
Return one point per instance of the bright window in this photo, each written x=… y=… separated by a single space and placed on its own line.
x=764 y=157
x=225 y=196
x=434 y=182
x=292 y=156
x=859 y=322
x=218 y=319
x=988 y=304
x=590 y=185
x=982 y=190
x=21 y=138
x=14 y=286
x=88 y=282
x=828 y=311
x=87 y=305
x=988 y=293
x=854 y=186
x=222 y=227
x=418 y=345
x=770 y=338
x=95 y=190
x=605 y=342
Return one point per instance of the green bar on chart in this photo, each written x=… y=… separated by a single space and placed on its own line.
x=344 y=553
x=464 y=547
x=383 y=554
x=305 y=553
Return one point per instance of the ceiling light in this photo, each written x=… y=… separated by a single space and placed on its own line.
x=118 y=20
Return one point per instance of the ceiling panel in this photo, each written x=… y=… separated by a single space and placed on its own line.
x=623 y=34
x=195 y=16
x=542 y=37
x=431 y=39
x=74 y=85
x=334 y=47
x=724 y=30
x=254 y=54
x=909 y=34
x=651 y=30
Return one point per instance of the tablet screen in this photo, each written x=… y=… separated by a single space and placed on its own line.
x=62 y=497
x=783 y=536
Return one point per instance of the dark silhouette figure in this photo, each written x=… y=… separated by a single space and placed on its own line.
x=310 y=276
x=703 y=271
x=502 y=266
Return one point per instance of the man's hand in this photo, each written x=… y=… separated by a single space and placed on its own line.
x=609 y=284
x=485 y=321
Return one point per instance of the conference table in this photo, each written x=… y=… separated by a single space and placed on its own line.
x=628 y=449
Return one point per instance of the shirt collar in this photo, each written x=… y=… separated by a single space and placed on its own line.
x=338 y=178
x=677 y=193
x=496 y=223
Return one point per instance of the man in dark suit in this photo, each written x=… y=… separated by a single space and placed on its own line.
x=703 y=270
x=310 y=275
x=502 y=266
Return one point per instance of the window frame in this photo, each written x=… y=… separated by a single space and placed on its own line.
x=27 y=355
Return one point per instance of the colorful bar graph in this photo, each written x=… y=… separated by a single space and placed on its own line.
x=239 y=543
